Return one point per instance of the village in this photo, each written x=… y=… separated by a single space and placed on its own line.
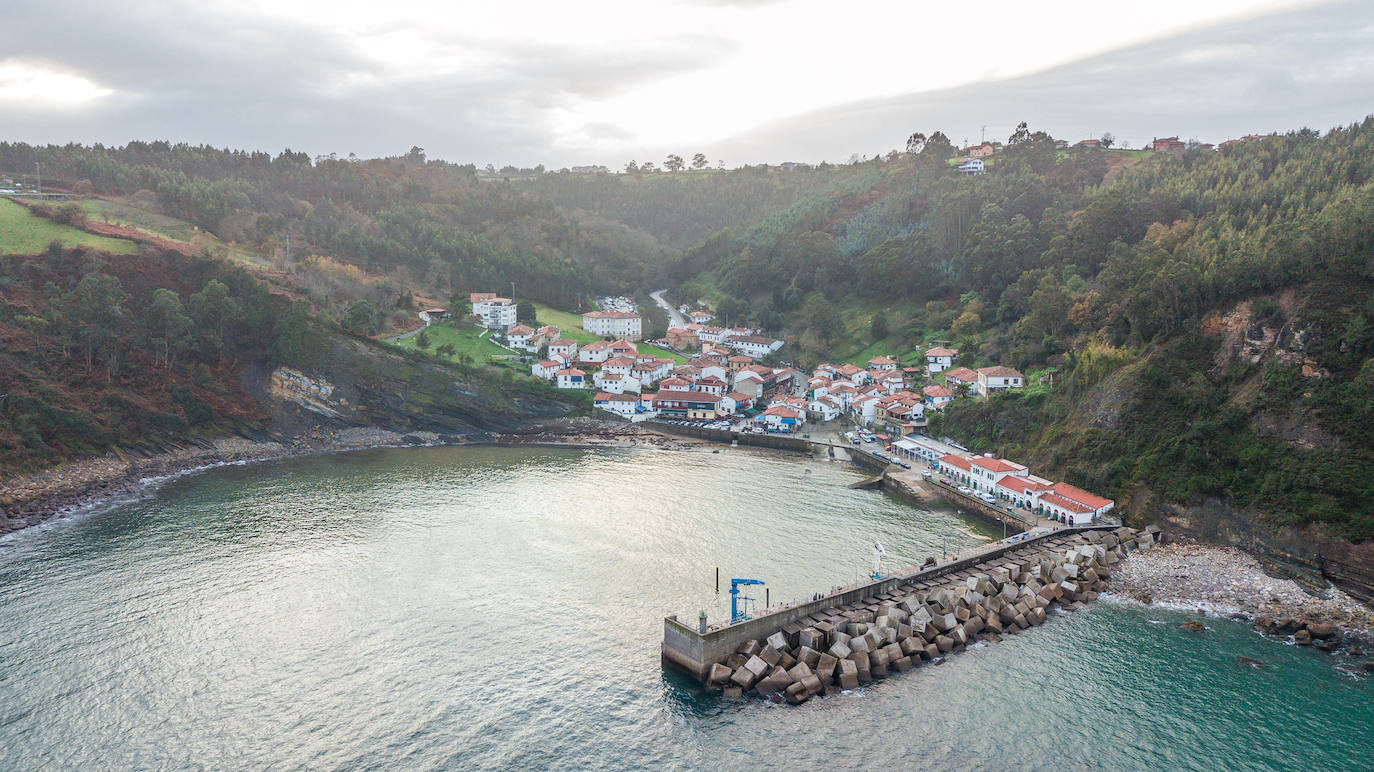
x=731 y=381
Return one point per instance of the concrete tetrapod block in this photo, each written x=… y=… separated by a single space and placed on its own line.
x=808 y=655
x=910 y=645
x=812 y=684
x=1036 y=616
x=778 y=640
x=848 y=674
x=1021 y=622
x=811 y=638
x=743 y=677
x=718 y=675
x=773 y=683
x=736 y=661
x=961 y=638
x=825 y=667
x=931 y=651
x=893 y=651
x=945 y=622
x=749 y=648
x=865 y=675
x=756 y=666
x=944 y=643
x=840 y=651
x=732 y=692
x=860 y=644
x=796 y=694
x=994 y=624
x=799 y=671
x=903 y=664
x=786 y=661
x=770 y=655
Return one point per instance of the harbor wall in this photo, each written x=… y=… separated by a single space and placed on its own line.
x=774 y=441
x=686 y=648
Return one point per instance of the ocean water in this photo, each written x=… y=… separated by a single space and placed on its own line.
x=489 y=608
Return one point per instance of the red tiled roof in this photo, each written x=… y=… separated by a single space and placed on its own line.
x=941 y=352
x=956 y=461
x=961 y=374
x=1000 y=372
x=610 y=315
x=997 y=464
x=782 y=412
x=549 y=363
x=570 y=371
x=937 y=391
x=563 y=342
x=1079 y=495
x=602 y=396
x=881 y=361
x=1063 y=503
x=618 y=362
x=1020 y=484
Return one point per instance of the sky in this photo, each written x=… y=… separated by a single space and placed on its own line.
x=606 y=81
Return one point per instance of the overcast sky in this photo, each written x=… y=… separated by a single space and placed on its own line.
x=604 y=81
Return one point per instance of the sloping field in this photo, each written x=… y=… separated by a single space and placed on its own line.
x=24 y=233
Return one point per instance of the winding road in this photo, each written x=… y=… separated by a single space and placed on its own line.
x=675 y=317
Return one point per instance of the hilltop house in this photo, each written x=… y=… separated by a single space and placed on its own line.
x=755 y=346
x=492 y=312
x=431 y=315
x=937 y=396
x=961 y=376
x=613 y=324
x=546 y=369
x=972 y=167
x=882 y=363
x=519 y=337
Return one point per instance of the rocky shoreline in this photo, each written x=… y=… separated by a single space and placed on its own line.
x=78 y=486
x=1227 y=582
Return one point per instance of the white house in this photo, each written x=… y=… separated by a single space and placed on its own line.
x=621 y=404
x=431 y=315
x=939 y=359
x=492 y=312
x=864 y=409
x=546 y=369
x=618 y=365
x=563 y=348
x=613 y=324
x=754 y=345
x=570 y=378
x=520 y=337
x=594 y=353
x=824 y=409
x=882 y=363
x=782 y=419
x=991 y=379
x=937 y=396
x=701 y=317
x=616 y=383
x=972 y=166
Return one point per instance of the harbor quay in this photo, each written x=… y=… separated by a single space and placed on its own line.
x=898 y=622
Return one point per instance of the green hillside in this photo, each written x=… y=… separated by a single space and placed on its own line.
x=25 y=233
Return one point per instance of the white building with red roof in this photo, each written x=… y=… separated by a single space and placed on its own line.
x=992 y=379
x=570 y=378
x=937 y=396
x=621 y=404
x=594 y=353
x=616 y=383
x=546 y=368
x=780 y=418
x=613 y=324
x=882 y=363
x=939 y=359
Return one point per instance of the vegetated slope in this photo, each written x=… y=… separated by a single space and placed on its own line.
x=430 y=222
x=155 y=350
x=1138 y=288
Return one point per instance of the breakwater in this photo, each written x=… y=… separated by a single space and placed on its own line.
x=897 y=623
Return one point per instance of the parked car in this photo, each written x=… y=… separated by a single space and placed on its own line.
x=945 y=481
x=902 y=464
x=965 y=489
x=925 y=474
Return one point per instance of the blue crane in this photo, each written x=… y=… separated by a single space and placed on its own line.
x=736 y=615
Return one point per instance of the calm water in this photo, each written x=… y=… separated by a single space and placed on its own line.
x=469 y=608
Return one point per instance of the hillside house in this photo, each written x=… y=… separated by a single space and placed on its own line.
x=882 y=363
x=972 y=167
x=546 y=369
x=980 y=151
x=957 y=377
x=701 y=317
x=616 y=383
x=593 y=353
x=755 y=346
x=570 y=378
x=518 y=337
x=937 y=396
x=823 y=409
x=494 y=313
x=625 y=405
x=992 y=379
x=431 y=315
x=939 y=359
x=679 y=339
x=563 y=348
x=782 y=419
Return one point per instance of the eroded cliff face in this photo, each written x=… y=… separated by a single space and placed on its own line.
x=362 y=384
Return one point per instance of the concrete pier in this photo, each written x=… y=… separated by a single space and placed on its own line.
x=916 y=614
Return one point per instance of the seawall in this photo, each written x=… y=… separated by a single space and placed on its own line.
x=774 y=441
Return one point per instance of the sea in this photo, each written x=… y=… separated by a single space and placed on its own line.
x=501 y=608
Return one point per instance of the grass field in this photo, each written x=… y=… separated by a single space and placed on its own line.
x=24 y=233
x=571 y=326
x=464 y=340
x=160 y=225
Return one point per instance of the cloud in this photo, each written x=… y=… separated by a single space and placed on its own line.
x=1273 y=73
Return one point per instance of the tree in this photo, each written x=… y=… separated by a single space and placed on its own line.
x=877 y=327
x=525 y=312
x=96 y=306
x=361 y=318
x=673 y=162
x=1108 y=139
x=632 y=167
x=937 y=149
x=422 y=340
x=699 y=161
x=34 y=324
x=168 y=324
x=1022 y=134
x=214 y=310
x=915 y=143
x=648 y=167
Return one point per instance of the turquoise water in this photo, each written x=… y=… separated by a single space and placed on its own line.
x=464 y=608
